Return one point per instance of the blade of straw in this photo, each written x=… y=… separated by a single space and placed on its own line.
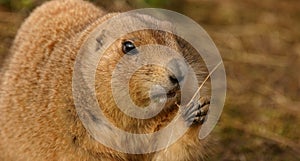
x=194 y=96
x=198 y=90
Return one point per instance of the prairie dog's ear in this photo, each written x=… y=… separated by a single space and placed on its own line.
x=101 y=39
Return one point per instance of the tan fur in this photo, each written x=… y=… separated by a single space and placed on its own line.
x=38 y=119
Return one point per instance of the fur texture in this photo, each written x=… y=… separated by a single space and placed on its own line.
x=38 y=119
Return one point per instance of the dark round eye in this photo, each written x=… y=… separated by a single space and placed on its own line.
x=128 y=47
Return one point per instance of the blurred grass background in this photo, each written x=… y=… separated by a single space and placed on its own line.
x=259 y=43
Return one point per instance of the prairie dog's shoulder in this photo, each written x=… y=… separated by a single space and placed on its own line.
x=49 y=26
x=58 y=19
x=65 y=13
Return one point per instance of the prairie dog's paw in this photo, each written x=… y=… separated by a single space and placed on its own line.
x=196 y=112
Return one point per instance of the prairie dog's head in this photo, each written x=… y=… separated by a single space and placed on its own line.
x=146 y=62
x=144 y=66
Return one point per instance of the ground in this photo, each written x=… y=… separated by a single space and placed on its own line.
x=259 y=43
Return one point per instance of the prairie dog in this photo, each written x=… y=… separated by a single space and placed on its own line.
x=38 y=119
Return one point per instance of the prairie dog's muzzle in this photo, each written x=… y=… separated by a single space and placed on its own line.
x=178 y=70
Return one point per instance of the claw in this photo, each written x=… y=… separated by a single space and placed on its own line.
x=196 y=113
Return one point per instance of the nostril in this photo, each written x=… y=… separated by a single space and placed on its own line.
x=178 y=70
x=176 y=80
x=173 y=79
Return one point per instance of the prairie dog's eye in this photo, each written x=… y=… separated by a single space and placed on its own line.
x=128 y=47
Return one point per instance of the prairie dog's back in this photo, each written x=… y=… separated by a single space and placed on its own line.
x=37 y=84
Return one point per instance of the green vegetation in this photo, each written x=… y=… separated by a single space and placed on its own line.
x=16 y=5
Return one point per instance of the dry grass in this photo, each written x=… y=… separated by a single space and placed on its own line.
x=259 y=43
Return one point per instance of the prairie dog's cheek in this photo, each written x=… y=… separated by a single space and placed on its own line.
x=139 y=90
x=143 y=80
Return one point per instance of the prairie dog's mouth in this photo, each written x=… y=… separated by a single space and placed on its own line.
x=170 y=94
x=162 y=96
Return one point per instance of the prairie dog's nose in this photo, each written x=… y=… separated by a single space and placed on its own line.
x=178 y=70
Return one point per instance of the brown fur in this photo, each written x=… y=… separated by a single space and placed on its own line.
x=38 y=119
